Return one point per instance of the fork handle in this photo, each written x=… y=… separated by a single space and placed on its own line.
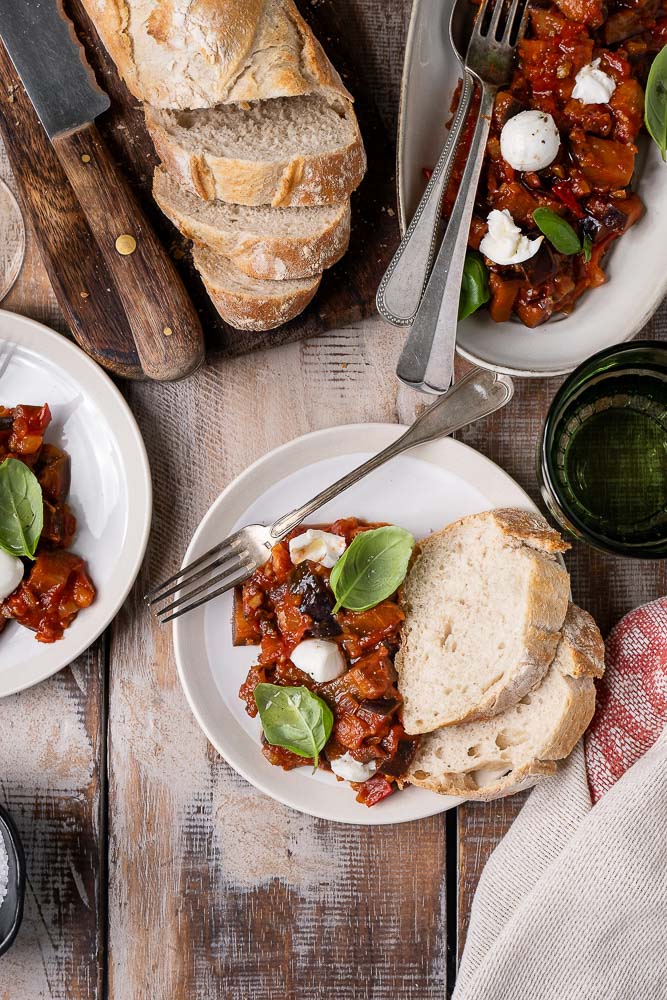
x=477 y=395
x=427 y=360
x=402 y=286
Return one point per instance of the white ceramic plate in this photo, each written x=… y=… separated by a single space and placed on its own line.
x=421 y=491
x=93 y=423
x=637 y=277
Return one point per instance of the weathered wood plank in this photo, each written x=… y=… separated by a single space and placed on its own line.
x=215 y=890
x=50 y=782
x=51 y=773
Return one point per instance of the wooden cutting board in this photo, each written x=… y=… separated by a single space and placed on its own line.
x=347 y=293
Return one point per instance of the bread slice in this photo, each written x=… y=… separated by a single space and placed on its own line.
x=485 y=600
x=249 y=304
x=266 y=243
x=287 y=151
x=199 y=53
x=502 y=755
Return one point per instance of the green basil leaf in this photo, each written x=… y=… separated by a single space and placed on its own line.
x=557 y=230
x=21 y=509
x=371 y=568
x=587 y=248
x=655 y=105
x=474 y=285
x=294 y=718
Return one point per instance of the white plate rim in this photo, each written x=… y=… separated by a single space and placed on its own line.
x=80 y=367
x=649 y=309
x=386 y=433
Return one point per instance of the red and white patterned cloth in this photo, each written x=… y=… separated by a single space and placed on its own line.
x=632 y=697
x=572 y=902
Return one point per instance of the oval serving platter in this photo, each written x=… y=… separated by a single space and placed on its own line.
x=637 y=278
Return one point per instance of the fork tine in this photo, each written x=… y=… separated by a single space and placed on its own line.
x=229 y=583
x=239 y=563
x=481 y=17
x=515 y=25
x=187 y=581
x=152 y=595
x=495 y=18
x=237 y=566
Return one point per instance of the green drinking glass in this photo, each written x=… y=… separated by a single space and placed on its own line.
x=602 y=463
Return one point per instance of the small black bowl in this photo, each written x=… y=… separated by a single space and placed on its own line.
x=11 y=909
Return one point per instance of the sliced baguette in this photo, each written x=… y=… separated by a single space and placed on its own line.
x=266 y=243
x=485 y=600
x=298 y=151
x=246 y=303
x=199 y=53
x=502 y=755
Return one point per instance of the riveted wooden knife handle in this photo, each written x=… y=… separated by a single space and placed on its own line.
x=163 y=320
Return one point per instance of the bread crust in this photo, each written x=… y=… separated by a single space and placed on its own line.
x=261 y=255
x=198 y=53
x=251 y=311
x=585 y=651
x=321 y=179
x=545 y=615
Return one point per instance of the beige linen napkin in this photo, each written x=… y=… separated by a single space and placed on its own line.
x=572 y=904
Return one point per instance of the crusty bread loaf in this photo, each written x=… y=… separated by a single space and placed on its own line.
x=266 y=243
x=287 y=151
x=502 y=755
x=485 y=600
x=246 y=303
x=199 y=53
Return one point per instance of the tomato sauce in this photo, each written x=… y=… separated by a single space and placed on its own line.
x=56 y=585
x=282 y=604
x=589 y=182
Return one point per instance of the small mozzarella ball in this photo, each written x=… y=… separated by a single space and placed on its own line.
x=352 y=770
x=11 y=574
x=592 y=85
x=321 y=659
x=505 y=243
x=317 y=546
x=530 y=140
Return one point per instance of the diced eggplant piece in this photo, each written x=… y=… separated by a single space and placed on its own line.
x=541 y=267
x=54 y=473
x=244 y=632
x=402 y=759
x=59 y=526
x=607 y=164
x=316 y=600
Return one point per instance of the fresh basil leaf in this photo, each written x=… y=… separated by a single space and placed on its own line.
x=557 y=230
x=294 y=718
x=655 y=104
x=371 y=568
x=474 y=285
x=21 y=509
x=587 y=248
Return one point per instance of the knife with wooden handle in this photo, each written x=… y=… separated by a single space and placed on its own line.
x=133 y=279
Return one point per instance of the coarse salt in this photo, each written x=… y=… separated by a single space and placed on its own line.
x=4 y=869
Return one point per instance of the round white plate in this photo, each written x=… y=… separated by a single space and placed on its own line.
x=635 y=266
x=421 y=491
x=93 y=423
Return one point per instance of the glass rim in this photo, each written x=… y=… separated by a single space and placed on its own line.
x=598 y=541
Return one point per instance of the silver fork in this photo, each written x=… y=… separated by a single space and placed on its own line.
x=402 y=286
x=427 y=360
x=233 y=560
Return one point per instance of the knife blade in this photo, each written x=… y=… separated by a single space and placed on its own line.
x=144 y=293
x=44 y=49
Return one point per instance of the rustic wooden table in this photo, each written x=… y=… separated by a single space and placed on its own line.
x=155 y=872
